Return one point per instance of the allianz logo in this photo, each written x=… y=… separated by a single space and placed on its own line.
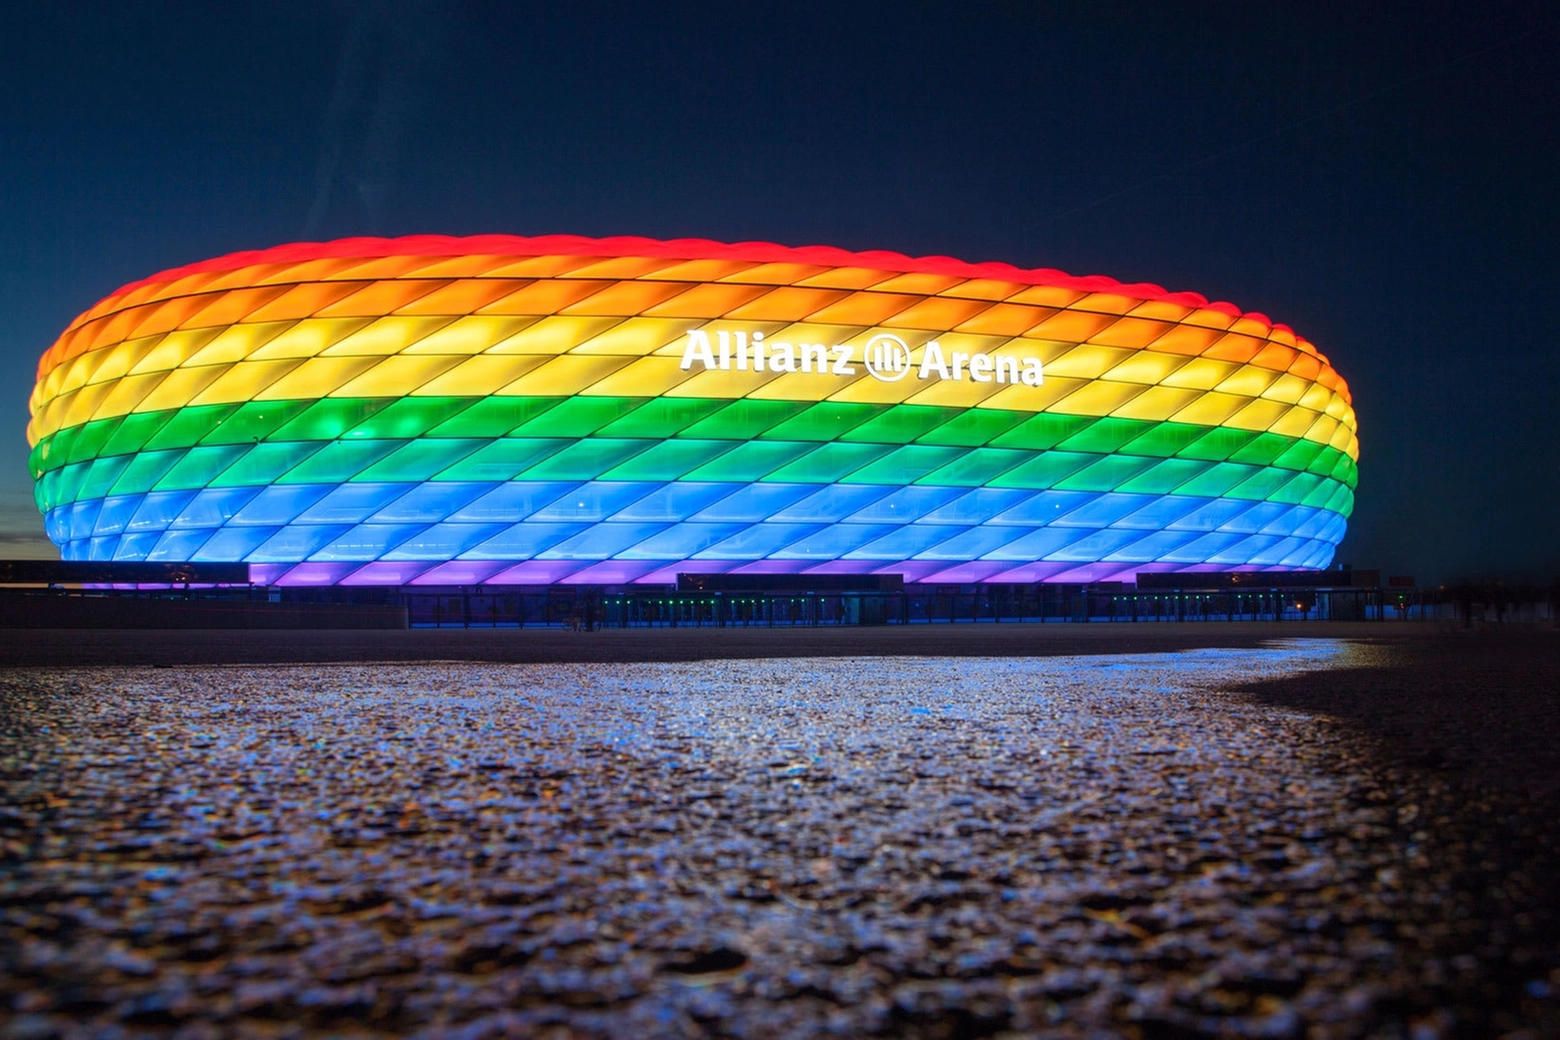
x=884 y=355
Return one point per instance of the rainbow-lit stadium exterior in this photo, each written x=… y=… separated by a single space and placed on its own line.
x=453 y=411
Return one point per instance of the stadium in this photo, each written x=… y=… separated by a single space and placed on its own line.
x=563 y=410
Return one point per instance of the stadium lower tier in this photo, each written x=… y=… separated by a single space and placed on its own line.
x=607 y=532
x=611 y=490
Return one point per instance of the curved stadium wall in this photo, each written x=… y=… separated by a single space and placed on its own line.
x=434 y=410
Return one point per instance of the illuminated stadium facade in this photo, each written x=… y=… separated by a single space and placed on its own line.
x=454 y=411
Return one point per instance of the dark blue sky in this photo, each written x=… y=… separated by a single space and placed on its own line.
x=1381 y=177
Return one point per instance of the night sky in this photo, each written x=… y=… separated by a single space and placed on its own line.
x=1383 y=178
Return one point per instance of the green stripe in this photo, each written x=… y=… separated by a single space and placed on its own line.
x=199 y=467
x=265 y=463
x=1045 y=430
x=502 y=459
x=134 y=431
x=973 y=427
x=661 y=417
x=667 y=459
x=584 y=459
x=329 y=419
x=145 y=470
x=646 y=459
x=678 y=459
x=414 y=416
x=421 y=459
x=902 y=424
x=976 y=467
x=751 y=460
x=255 y=421
x=1217 y=444
x=578 y=416
x=1106 y=436
x=1045 y=469
x=905 y=465
x=1106 y=473
x=490 y=416
x=1164 y=477
x=829 y=463
x=1295 y=492
x=825 y=421
x=316 y=423
x=188 y=425
x=1219 y=479
x=744 y=419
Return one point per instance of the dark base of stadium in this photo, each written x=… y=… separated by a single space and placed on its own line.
x=66 y=594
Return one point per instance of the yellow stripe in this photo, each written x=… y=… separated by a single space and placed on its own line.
x=244 y=381
x=178 y=388
x=480 y=376
x=88 y=374
x=642 y=377
x=391 y=377
x=564 y=376
x=275 y=378
x=472 y=334
x=1156 y=403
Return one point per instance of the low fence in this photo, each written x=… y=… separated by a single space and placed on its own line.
x=628 y=607
x=55 y=609
x=591 y=608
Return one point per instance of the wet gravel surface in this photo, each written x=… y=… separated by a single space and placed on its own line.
x=556 y=645
x=1175 y=844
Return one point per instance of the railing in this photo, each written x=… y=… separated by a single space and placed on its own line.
x=591 y=609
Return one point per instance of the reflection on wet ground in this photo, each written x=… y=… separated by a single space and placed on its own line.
x=897 y=845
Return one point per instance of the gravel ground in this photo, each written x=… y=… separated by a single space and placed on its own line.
x=1320 y=837
x=175 y=648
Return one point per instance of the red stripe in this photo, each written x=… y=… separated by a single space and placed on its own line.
x=684 y=249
